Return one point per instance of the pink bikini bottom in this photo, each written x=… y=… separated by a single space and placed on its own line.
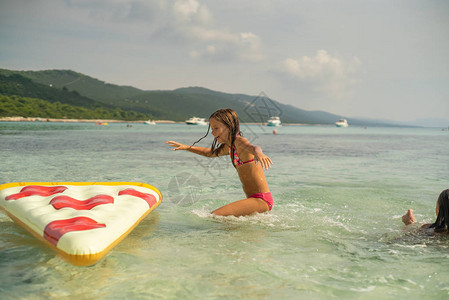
x=265 y=197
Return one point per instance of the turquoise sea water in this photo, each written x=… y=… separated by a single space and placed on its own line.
x=335 y=230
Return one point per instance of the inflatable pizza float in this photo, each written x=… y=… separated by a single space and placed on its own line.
x=82 y=221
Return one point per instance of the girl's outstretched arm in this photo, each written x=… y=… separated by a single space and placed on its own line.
x=197 y=150
x=259 y=156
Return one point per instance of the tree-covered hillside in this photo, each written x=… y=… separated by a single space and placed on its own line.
x=32 y=107
x=176 y=105
x=73 y=81
x=20 y=96
x=76 y=89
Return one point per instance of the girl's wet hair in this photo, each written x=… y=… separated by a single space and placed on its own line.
x=442 y=222
x=230 y=119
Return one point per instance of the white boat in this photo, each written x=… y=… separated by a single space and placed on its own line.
x=149 y=122
x=196 y=121
x=274 y=121
x=342 y=123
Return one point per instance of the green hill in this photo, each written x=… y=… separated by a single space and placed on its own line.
x=77 y=89
x=16 y=84
x=176 y=105
x=20 y=96
x=32 y=107
x=73 y=81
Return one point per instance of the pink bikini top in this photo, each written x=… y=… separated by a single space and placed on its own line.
x=237 y=160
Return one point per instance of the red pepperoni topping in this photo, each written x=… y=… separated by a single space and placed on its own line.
x=37 y=190
x=62 y=201
x=149 y=198
x=56 y=229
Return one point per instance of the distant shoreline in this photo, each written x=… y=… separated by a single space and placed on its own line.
x=44 y=120
x=104 y=121
x=36 y=119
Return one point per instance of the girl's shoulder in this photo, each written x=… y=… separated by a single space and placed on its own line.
x=241 y=141
x=242 y=144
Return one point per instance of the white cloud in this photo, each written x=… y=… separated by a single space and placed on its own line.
x=226 y=45
x=186 y=22
x=192 y=11
x=323 y=73
x=196 y=23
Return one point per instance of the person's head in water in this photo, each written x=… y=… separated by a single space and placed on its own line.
x=442 y=212
x=225 y=128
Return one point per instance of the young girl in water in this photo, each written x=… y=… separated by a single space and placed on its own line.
x=441 y=224
x=248 y=159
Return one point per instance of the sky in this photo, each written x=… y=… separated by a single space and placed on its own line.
x=383 y=59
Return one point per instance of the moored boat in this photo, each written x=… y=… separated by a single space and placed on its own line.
x=342 y=123
x=196 y=121
x=274 y=121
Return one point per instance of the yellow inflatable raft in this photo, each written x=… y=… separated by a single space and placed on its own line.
x=82 y=221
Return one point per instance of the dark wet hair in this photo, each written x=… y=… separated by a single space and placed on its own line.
x=230 y=119
x=442 y=222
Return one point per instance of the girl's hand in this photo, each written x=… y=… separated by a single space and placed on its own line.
x=264 y=160
x=409 y=217
x=177 y=146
